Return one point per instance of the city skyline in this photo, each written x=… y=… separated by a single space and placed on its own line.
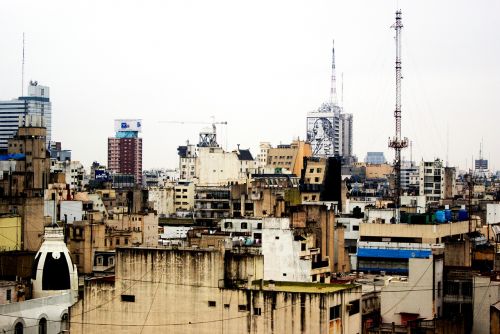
x=261 y=68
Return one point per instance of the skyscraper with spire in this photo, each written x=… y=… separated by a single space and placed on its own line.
x=329 y=130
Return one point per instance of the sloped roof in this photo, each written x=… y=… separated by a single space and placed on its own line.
x=244 y=155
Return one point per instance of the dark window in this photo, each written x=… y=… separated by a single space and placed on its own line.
x=55 y=272
x=277 y=238
x=316 y=179
x=42 y=326
x=19 y=328
x=117 y=241
x=242 y=308
x=244 y=226
x=303 y=246
x=228 y=225
x=257 y=311
x=226 y=305
x=9 y=295
x=335 y=312
x=259 y=226
x=354 y=307
x=128 y=298
x=126 y=241
x=355 y=227
x=212 y=303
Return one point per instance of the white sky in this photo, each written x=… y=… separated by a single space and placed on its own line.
x=261 y=66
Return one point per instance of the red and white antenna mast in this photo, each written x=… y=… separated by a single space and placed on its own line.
x=398 y=143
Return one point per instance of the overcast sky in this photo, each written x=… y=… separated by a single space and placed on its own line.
x=261 y=66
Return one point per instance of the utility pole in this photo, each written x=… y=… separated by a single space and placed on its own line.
x=398 y=143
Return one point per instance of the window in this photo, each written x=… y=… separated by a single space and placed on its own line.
x=311 y=170
x=318 y=170
x=126 y=241
x=242 y=308
x=226 y=305
x=259 y=226
x=335 y=312
x=284 y=274
x=228 y=224
x=276 y=237
x=128 y=298
x=117 y=241
x=9 y=295
x=212 y=303
x=42 y=326
x=353 y=307
x=302 y=246
x=244 y=226
x=257 y=311
x=99 y=260
x=111 y=261
x=355 y=227
x=19 y=328
x=316 y=179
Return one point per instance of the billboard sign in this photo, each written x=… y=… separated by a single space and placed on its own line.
x=128 y=125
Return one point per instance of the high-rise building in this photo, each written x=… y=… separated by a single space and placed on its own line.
x=329 y=130
x=324 y=131
x=125 y=149
x=14 y=111
x=346 y=127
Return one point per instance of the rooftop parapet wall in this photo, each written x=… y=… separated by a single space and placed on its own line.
x=428 y=233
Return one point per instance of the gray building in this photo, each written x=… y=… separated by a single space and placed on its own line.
x=14 y=111
x=346 y=124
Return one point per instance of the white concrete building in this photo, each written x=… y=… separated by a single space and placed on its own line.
x=212 y=166
x=73 y=170
x=431 y=183
x=287 y=257
x=71 y=210
x=419 y=296
x=162 y=199
x=262 y=156
x=485 y=292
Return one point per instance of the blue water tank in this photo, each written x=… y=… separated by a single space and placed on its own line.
x=463 y=215
x=447 y=215
x=440 y=216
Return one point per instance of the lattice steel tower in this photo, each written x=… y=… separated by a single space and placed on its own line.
x=398 y=143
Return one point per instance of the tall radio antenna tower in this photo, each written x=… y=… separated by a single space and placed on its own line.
x=333 y=88
x=22 y=72
x=398 y=143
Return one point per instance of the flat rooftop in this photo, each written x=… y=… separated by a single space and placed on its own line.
x=299 y=286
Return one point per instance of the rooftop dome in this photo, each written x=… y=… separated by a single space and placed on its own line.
x=53 y=271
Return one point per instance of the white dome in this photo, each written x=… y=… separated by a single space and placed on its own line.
x=53 y=271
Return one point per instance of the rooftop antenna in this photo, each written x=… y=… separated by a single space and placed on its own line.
x=333 y=88
x=22 y=71
x=398 y=143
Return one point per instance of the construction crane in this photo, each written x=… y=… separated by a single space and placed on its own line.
x=207 y=138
